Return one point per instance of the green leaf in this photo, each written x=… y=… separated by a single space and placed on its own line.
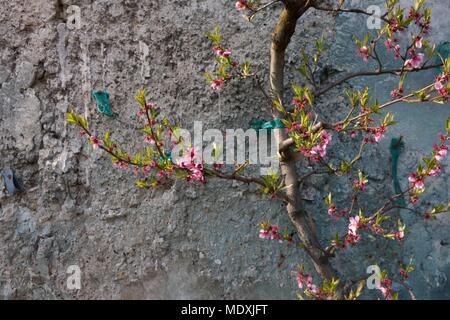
x=309 y=96
x=328 y=199
x=141 y=98
x=279 y=105
x=70 y=118
x=142 y=184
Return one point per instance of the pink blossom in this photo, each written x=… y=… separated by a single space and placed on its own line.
x=435 y=172
x=150 y=106
x=404 y=273
x=416 y=182
x=96 y=143
x=378 y=136
x=189 y=163
x=147 y=169
x=360 y=184
x=325 y=137
x=416 y=61
x=121 y=164
x=294 y=127
x=353 y=225
x=241 y=5
x=263 y=234
x=378 y=133
x=160 y=174
x=386 y=289
x=217 y=51
x=376 y=228
x=140 y=113
x=217 y=84
x=300 y=279
x=441 y=152
x=319 y=150
x=364 y=52
x=149 y=139
x=300 y=104
x=400 y=235
x=332 y=210
x=443 y=137
x=396 y=93
x=226 y=53
x=218 y=166
x=389 y=44
x=352 y=236
x=414 y=199
x=438 y=85
x=271 y=232
x=418 y=42
x=352 y=239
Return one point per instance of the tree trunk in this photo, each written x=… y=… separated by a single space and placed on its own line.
x=281 y=37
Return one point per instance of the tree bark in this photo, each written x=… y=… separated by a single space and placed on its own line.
x=281 y=37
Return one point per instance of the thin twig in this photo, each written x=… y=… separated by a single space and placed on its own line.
x=350 y=76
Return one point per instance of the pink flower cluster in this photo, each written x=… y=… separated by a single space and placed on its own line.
x=143 y=112
x=393 y=44
x=96 y=143
x=271 y=231
x=416 y=182
x=189 y=163
x=217 y=84
x=306 y=280
x=241 y=5
x=333 y=212
x=300 y=104
x=416 y=60
x=439 y=85
x=320 y=150
x=121 y=165
x=404 y=273
x=397 y=93
x=386 y=288
x=364 y=53
x=400 y=234
x=424 y=24
x=360 y=183
x=353 y=237
x=440 y=152
x=222 y=53
x=417 y=179
x=376 y=134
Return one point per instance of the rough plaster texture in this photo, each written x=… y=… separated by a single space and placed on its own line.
x=180 y=241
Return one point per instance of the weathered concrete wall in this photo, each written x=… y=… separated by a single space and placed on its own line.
x=181 y=241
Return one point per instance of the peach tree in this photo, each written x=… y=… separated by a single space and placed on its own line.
x=303 y=134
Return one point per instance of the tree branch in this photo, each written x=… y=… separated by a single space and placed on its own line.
x=359 y=11
x=353 y=75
